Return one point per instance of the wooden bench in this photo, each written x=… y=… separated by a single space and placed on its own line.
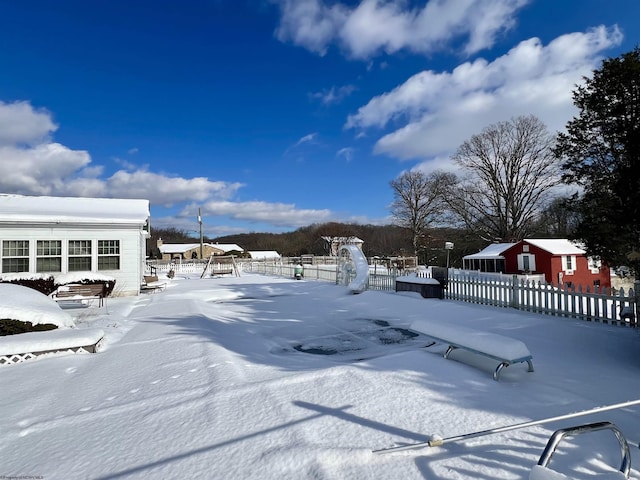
x=76 y=292
x=152 y=284
x=220 y=271
x=25 y=346
x=505 y=350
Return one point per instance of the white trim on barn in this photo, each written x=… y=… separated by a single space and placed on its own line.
x=57 y=235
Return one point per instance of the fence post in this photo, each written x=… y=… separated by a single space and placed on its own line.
x=514 y=292
x=636 y=300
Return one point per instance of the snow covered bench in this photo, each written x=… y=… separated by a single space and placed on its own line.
x=427 y=287
x=25 y=346
x=76 y=292
x=505 y=350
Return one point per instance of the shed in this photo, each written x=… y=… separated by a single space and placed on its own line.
x=58 y=235
x=560 y=260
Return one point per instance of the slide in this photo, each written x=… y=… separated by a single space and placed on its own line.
x=359 y=261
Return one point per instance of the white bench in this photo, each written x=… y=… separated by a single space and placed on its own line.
x=25 y=346
x=505 y=350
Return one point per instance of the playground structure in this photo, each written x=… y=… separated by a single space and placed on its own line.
x=353 y=268
x=221 y=265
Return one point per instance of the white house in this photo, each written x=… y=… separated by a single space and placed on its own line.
x=59 y=235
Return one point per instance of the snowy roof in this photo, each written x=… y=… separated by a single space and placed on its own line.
x=227 y=247
x=492 y=251
x=556 y=246
x=20 y=209
x=178 y=247
x=184 y=247
x=256 y=254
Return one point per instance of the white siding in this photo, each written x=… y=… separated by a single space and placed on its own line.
x=132 y=249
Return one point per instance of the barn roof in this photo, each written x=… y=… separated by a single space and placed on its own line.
x=556 y=246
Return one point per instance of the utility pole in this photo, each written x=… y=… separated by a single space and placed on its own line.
x=200 y=222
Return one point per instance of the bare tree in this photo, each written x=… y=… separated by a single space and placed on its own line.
x=419 y=201
x=509 y=173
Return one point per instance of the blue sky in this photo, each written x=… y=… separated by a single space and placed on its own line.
x=269 y=115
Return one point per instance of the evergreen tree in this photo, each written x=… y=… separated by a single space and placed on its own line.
x=601 y=154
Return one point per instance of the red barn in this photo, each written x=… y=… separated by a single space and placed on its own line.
x=561 y=262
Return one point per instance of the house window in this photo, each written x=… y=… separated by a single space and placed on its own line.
x=108 y=254
x=49 y=256
x=569 y=263
x=15 y=256
x=526 y=262
x=79 y=255
x=594 y=265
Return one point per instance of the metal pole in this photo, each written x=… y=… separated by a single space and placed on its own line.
x=200 y=222
x=442 y=441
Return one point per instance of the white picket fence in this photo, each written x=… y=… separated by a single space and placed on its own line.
x=597 y=305
x=529 y=294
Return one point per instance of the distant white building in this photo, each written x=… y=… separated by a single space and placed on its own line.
x=59 y=235
x=188 y=251
x=264 y=254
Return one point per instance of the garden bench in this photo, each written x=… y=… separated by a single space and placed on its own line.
x=503 y=349
x=76 y=292
x=221 y=271
x=25 y=346
x=151 y=284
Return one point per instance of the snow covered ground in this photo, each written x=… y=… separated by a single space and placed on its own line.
x=232 y=378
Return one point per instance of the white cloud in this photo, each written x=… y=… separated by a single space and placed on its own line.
x=39 y=170
x=21 y=124
x=309 y=138
x=334 y=94
x=31 y=164
x=347 y=153
x=434 y=112
x=166 y=190
x=278 y=214
x=375 y=26
x=310 y=23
